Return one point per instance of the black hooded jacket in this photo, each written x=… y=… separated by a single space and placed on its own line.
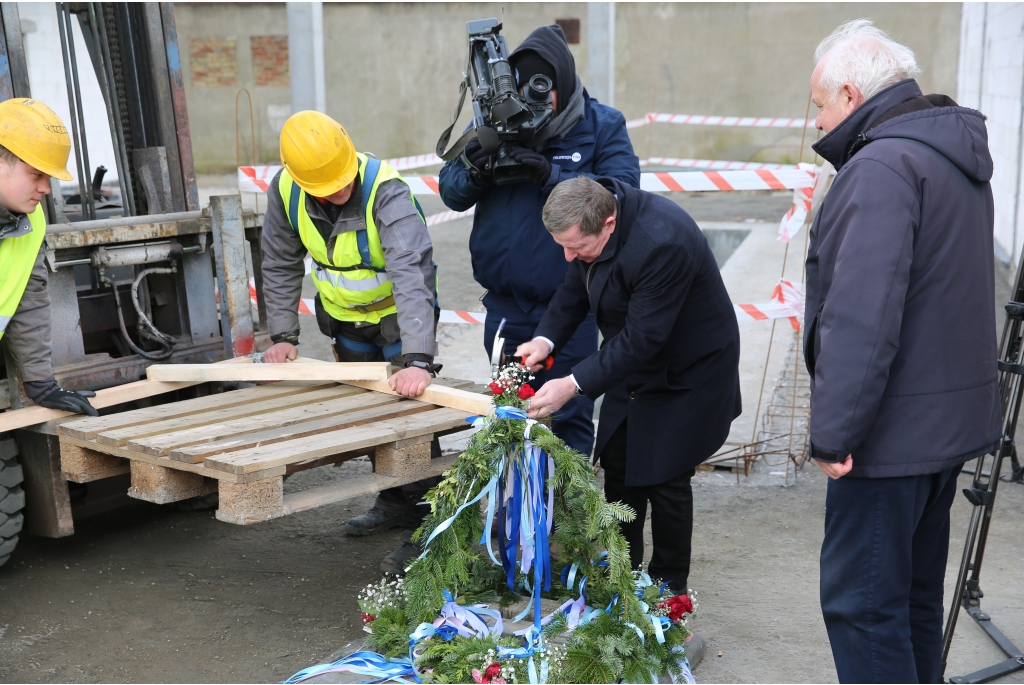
x=549 y=42
x=900 y=340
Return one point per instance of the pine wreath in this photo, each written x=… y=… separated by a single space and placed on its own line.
x=557 y=538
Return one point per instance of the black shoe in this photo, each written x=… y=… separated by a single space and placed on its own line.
x=373 y=521
x=395 y=563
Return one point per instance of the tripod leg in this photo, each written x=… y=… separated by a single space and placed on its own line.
x=961 y=581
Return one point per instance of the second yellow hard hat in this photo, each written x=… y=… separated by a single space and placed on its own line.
x=317 y=152
x=36 y=135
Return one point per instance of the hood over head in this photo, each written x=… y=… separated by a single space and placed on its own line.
x=548 y=43
x=901 y=111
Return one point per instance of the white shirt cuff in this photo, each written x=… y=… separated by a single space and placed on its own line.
x=551 y=345
x=572 y=377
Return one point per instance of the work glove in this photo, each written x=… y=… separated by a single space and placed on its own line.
x=536 y=161
x=66 y=400
x=474 y=158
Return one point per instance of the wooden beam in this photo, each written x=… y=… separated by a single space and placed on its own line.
x=294 y=371
x=454 y=398
x=363 y=485
x=108 y=397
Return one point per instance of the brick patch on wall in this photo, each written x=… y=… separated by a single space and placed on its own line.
x=212 y=61
x=270 y=60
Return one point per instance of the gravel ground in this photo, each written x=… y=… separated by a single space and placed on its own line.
x=150 y=593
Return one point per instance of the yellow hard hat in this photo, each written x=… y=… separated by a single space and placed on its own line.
x=317 y=152
x=36 y=135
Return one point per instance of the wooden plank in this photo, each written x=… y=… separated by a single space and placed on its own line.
x=179 y=465
x=162 y=443
x=120 y=436
x=198 y=452
x=345 y=440
x=89 y=427
x=454 y=398
x=108 y=397
x=364 y=485
x=293 y=371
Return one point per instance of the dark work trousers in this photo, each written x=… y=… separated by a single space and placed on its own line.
x=574 y=422
x=671 y=515
x=883 y=562
x=402 y=501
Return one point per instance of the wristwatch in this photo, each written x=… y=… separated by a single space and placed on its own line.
x=432 y=369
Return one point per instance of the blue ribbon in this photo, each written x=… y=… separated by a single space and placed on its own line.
x=362 y=663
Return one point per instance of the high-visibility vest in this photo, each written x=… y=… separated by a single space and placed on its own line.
x=352 y=279
x=17 y=259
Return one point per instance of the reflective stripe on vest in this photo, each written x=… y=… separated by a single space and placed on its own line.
x=17 y=259
x=353 y=276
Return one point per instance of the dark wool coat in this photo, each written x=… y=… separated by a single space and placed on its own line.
x=901 y=340
x=669 y=362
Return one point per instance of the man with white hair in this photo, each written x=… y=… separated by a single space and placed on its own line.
x=900 y=344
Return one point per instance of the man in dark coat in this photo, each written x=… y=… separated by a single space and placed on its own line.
x=900 y=344
x=512 y=255
x=669 y=364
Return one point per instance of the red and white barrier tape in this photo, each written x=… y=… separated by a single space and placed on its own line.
x=705 y=120
x=787 y=302
x=803 y=199
x=713 y=164
x=761 y=179
x=255 y=179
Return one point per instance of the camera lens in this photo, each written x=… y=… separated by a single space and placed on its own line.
x=540 y=87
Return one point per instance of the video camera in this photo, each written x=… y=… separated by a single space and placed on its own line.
x=503 y=118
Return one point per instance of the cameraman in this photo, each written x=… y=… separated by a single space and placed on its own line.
x=513 y=256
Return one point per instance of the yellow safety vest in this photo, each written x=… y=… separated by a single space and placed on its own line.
x=352 y=280
x=17 y=259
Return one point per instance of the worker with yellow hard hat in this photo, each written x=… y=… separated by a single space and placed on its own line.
x=372 y=265
x=34 y=145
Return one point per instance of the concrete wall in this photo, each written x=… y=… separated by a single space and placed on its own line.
x=991 y=79
x=393 y=69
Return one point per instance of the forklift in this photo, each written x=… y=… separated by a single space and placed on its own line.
x=138 y=273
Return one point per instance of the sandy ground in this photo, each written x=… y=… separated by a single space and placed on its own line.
x=149 y=593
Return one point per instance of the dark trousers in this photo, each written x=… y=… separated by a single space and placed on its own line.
x=401 y=501
x=883 y=562
x=671 y=515
x=574 y=422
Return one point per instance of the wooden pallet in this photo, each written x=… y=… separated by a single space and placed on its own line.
x=242 y=444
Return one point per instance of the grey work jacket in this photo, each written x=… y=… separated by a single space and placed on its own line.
x=27 y=336
x=408 y=257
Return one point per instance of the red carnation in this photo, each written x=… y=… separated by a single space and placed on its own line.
x=525 y=392
x=492 y=671
x=495 y=388
x=368 y=618
x=677 y=606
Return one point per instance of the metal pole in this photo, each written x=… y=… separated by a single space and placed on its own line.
x=82 y=175
x=108 y=98
x=81 y=115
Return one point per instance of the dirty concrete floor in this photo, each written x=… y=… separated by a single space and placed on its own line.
x=149 y=593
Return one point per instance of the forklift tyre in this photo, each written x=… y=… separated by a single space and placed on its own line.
x=12 y=498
